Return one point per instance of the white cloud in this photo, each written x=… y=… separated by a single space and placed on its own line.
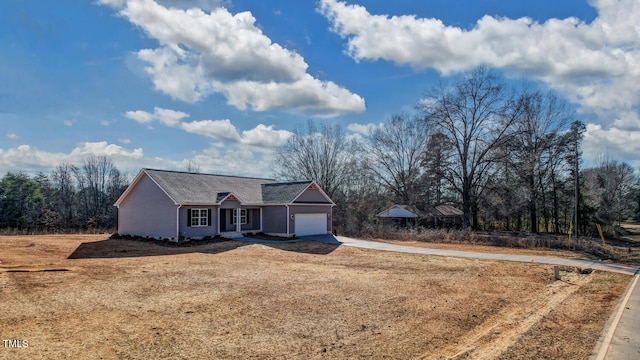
x=627 y=121
x=265 y=136
x=104 y=148
x=218 y=129
x=31 y=159
x=140 y=116
x=595 y=64
x=12 y=136
x=169 y=117
x=237 y=158
x=599 y=142
x=165 y=116
x=68 y=123
x=125 y=141
x=262 y=136
x=203 y=52
x=364 y=129
x=180 y=4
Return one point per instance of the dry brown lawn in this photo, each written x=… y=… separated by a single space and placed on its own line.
x=82 y=296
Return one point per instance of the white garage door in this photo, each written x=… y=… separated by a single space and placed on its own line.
x=311 y=224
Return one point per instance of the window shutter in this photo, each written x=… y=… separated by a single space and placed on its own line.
x=189 y=217
x=208 y=217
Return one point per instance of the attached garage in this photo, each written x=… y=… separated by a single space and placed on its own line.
x=310 y=224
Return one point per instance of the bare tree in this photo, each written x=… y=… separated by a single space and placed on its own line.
x=192 y=167
x=437 y=158
x=610 y=189
x=530 y=147
x=322 y=153
x=475 y=114
x=94 y=178
x=64 y=193
x=395 y=153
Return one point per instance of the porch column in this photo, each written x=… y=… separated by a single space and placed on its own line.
x=218 y=221
x=260 y=219
x=238 y=222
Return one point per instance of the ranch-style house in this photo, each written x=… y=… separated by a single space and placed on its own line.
x=173 y=205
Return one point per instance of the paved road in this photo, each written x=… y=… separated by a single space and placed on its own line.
x=620 y=338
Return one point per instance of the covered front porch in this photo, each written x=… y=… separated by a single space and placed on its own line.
x=237 y=221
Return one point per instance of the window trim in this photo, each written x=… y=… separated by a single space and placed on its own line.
x=244 y=216
x=199 y=217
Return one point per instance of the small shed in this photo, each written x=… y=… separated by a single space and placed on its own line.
x=401 y=215
x=442 y=216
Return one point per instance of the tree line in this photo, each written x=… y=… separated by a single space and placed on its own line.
x=72 y=197
x=509 y=158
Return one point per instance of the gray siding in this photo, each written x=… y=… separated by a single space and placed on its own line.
x=147 y=211
x=252 y=224
x=230 y=204
x=302 y=209
x=311 y=196
x=254 y=220
x=274 y=219
x=198 y=231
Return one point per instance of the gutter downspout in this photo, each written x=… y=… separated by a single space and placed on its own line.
x=288 y=220
x=178 y=223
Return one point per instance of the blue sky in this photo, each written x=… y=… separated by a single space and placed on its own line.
x=223 y=83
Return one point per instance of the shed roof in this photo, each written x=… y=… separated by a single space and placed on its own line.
x=400 y=211
x=442 y=210
x=410 y=211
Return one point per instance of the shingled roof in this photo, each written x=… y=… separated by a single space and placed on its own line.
x=196 y=188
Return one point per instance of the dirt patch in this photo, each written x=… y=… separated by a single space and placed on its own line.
x=233 y=300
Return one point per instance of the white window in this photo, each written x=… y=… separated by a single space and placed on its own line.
x=199 y=217
x=243 y=216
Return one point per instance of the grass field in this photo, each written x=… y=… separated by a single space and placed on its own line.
x=86 y=296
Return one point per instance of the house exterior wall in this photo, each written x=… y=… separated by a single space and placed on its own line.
x=308 y=209
x=274 y=219
x=226 y=216
x=254 y=220
x=230 y=204
x=147 y=211
x=198 y=231
x=311 y=196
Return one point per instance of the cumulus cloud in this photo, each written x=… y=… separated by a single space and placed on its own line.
x=106 y=149
x=595 y=64
x=165 y=116
x=28 y=158
x=599 y=141
x=204 y=52
x=12 y=136
x=364 y=129
x=248 y=159
x=261 y=136
x=218 y=129
x=265 y=136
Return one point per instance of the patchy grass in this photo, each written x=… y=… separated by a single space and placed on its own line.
x=585 y=247
x=86 y=296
